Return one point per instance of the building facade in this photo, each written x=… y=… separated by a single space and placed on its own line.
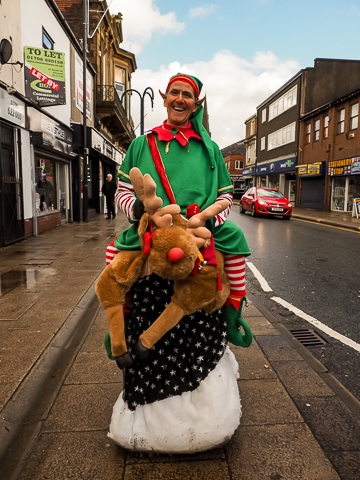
x=250 y=154
x=329 y=155
x=280 y=140
x=51 y=171
x=234 y=158
x=112 y=129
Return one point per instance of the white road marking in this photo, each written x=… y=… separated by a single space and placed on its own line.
x=263 y=283
x=321 y=326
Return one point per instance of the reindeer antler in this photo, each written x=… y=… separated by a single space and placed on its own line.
x=199 y=219
x=145 y=189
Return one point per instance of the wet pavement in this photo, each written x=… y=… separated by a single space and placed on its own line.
x=57 y=386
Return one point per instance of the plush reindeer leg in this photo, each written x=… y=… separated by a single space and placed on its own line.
x=113 y=284
x=191 y=294
x=170 y=317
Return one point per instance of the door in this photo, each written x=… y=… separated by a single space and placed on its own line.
x=11 y=205
x=63 y=190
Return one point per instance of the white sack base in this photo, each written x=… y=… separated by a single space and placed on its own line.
x=191 y=422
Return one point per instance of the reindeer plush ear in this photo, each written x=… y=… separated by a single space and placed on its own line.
x=143 y=225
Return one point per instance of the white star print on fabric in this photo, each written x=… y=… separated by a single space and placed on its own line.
x=181 y=359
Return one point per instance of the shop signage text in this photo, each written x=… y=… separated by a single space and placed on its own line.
x=277 y=166
x=12 y=109
x=311 y=169
x=44 y=72
x=345 y=166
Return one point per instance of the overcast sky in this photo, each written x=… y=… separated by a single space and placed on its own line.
x=241 y=50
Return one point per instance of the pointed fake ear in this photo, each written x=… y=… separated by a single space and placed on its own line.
x=200 y=101
x=163 y=96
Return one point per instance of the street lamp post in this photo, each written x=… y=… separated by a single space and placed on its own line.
x=85 y=151
x=148 y=91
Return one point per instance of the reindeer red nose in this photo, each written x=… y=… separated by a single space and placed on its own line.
x=176 y=254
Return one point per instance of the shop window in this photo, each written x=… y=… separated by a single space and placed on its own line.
x=338 y=193
x=45 y=185
x=308 y=133
x=354 y=116
x=343 y=192
x=326 y=126
x=341 y=121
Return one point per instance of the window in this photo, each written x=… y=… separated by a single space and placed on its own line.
x=283 y=103
x=326 y=126
x=282 y=136
x=120 y=74
x=316 y=130
x=47 y=41
x=252 y=127
x=263 y=116
x=341 y=121
x=239 y=164
x=262 y=144
x=354 y=116
x=46 y=198
x=308 y=133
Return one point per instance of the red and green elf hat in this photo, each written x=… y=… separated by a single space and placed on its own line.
x=194 y=82
x=196 y=117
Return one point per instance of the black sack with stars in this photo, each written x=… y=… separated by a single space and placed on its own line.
x=182 y=358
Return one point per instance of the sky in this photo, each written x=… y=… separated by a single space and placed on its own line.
x=241 y=50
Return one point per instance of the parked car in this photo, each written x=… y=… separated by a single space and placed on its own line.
x=265 y=201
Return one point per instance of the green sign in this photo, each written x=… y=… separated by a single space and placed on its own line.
x=44 y=76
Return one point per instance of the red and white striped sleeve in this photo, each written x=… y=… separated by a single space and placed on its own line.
x=125 y=199
x=221 y=217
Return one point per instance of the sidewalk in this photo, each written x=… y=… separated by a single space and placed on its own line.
x=57 y=385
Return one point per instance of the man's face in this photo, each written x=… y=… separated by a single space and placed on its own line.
x=180 y=103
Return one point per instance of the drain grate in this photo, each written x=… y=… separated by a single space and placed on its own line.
x=309 y=338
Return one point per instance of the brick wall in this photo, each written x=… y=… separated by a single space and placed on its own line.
x=44 y=223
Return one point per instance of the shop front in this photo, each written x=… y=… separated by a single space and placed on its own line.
x=280 y=174
x=345 y=183
x=312 y=185
x=103 y=158
x=52 y=156
x=248 y=174
x=12 y=137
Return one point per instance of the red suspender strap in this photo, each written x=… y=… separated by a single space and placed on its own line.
x=160 y=166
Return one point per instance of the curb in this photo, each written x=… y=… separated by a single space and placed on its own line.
x=339 y=390
x=22 y=416
x=326 y=222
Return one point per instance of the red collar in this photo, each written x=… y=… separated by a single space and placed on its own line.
x=167 y=132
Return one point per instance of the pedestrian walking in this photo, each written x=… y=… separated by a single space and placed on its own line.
x=109 y=189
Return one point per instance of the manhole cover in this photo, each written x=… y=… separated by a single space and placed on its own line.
x=309 y=338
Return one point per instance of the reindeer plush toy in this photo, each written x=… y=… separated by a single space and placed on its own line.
x=169 y=250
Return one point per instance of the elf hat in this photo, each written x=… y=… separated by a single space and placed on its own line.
x=194 y=82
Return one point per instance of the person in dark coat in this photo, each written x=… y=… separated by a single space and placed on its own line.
x=108 y=189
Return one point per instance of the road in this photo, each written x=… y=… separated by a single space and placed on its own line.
x=314 y=268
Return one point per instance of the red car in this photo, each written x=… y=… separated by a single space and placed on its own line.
x=265 y=201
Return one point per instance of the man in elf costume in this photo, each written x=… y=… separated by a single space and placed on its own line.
x=188 y=169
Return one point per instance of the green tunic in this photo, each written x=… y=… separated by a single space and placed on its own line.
x=196 y=175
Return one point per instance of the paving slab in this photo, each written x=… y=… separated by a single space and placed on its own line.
x=277 y=452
